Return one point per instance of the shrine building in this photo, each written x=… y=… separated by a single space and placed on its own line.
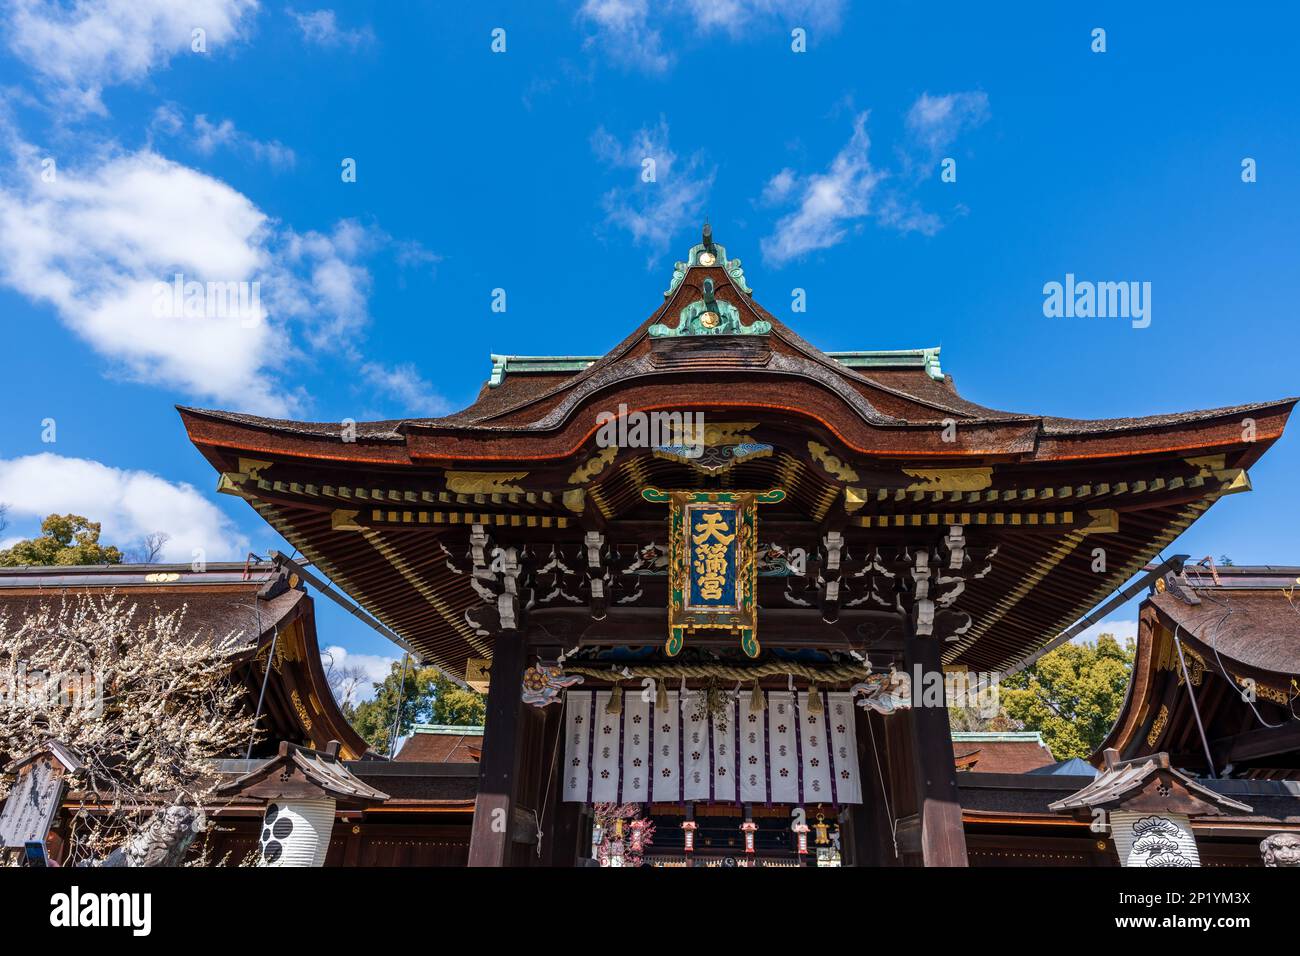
x=712 y=573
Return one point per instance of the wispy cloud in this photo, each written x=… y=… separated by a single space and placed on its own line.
x=100 y=241
x=206 y=137
x=828 y=203
x=852 y=191
x=78 y=49
x=321 y=27
x=128 y=504
x=621 y=30
x=631 y=32
x=935 y=122
x=663 y=192
x=403 y=384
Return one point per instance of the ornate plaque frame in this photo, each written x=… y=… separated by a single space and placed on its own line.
x=712 y=570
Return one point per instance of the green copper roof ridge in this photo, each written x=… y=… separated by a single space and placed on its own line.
x=470 y=729
x=996 y=736
x=536 y=363
x=925 y=358
x=865 y=358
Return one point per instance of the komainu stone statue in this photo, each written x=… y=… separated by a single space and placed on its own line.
x=1281 y=849
x=162 y=842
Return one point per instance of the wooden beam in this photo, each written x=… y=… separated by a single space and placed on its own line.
x=1254 y=744
x=798 y=627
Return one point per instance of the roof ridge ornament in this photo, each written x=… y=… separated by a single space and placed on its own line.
x=707 y=254
x=710 y=315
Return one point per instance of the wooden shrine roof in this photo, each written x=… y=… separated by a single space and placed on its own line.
x=1239 y=630
x=218 y=602
x=303 y=773
x=881 y=444
x=1124 y=783
x=999 y=753
x=1250 y=616
x=439 y=743
x=254 y=604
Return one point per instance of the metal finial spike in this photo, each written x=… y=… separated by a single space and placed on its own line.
x=708 y=235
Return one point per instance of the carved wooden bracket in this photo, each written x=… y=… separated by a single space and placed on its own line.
x=923 y=582
x=512 y=581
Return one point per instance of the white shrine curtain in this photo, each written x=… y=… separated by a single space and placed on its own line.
x=784 y=753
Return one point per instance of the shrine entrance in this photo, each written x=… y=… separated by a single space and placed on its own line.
x=717 y=627
x=707 y=835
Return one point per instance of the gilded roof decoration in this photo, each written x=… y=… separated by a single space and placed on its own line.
x=708 y=254
x=710 y=315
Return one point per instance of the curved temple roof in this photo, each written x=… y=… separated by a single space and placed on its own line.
x=253 y=605
x=871 y=441
x=1238 y=631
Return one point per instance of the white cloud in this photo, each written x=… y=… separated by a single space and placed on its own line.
x=128 y=505
x=373 y=668
x=95 y=243
x=780 y=186
x=652 y=212
x=321 y=28
x=628 y=31
x=404 y=384
x=101 y=242
x=935 y=122
x=827 y=202
x=411 y=254
x=329 y=288
x=622 y=31
x=79 y=48
x=207 y=137
x=853 y=189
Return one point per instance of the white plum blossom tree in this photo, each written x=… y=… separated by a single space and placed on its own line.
x=145 y=701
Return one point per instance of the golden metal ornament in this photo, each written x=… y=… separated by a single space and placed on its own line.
x=822 y=828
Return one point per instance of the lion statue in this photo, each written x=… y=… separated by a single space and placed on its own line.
x=162 y=841
x=1281 y=849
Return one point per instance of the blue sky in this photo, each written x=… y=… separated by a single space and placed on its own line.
x=522 y=170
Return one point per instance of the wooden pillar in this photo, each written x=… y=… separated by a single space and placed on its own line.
x=556 y=822
x=494 y=806
x=870 y=837
x=943 y=842
x=565 y=838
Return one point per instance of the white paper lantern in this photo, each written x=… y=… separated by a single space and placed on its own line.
x=296 y=832
x=1154 y=839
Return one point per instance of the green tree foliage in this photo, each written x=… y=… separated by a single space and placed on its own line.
x=972 y=719
x=64 y=540
x=427 y=698
x=1071 y=695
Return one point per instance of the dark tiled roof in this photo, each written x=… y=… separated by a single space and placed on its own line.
x=448 y=745
x=1126 y=778
x=1000 y=756
x=216 y=602
x=322 y=770
x=1072 y=426
x=1248 y=617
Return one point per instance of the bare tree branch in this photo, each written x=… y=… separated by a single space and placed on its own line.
x=145 y=701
